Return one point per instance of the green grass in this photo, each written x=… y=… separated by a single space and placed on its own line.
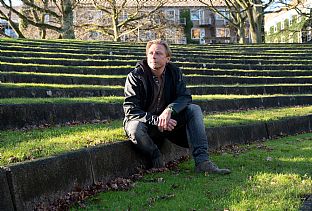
x=59 y=86
x=29 y=58
x=106 y=99
x=18 y=146
x=118 y=60
x=17 y=65
x=254 y=116
x=246 y=85
x=273 y=175
x=224 y=97
x=62 y=74
x=86 y=86
x=119 y=99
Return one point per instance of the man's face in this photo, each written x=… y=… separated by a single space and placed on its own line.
x=157 y=58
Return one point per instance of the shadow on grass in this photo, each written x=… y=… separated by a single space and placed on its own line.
x=273 y=177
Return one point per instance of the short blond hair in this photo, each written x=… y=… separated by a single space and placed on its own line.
x=161 y=42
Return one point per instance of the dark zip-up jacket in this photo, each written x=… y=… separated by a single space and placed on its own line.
x=138 y=92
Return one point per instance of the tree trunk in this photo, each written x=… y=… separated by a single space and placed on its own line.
x=116 y=29
x=258 y=17
x=241 y=33
x=43 y=33
x=252 y=25
x=68 y=21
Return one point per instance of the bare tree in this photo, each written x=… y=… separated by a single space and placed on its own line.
x=256 y=9
x=59 y=13
x=251 y=12
x=7 y=16
x=122 y=17
x=237 y=16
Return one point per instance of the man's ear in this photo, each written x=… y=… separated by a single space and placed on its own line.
x=168 y=59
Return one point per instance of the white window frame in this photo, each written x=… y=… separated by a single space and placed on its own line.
x=300 y=37
x=283 y=39
x=220 y=17
x=309 y=34
x=291 y=38
x=46 y=18
x=298 y=19
x=167 y=11
x=224 y=31
x=195 y=38
x=195 y=13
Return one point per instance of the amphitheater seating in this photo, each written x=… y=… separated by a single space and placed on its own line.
x=280 y=75
x=48 y=84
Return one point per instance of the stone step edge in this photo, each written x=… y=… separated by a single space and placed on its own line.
x=28 y=183
x=25 y=115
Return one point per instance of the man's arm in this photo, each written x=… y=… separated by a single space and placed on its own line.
x=133 y=103
x=182 y=100
x=184 y=97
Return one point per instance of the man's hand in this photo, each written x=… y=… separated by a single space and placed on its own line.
x=165 y=122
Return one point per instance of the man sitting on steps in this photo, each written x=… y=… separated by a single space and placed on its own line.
x=157 y=106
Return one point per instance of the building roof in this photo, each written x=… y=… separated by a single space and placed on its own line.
x=151 y=3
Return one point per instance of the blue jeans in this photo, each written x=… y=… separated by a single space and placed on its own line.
x=189 y=132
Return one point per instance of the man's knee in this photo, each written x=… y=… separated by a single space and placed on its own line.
x=135 y=130
x=194 y=109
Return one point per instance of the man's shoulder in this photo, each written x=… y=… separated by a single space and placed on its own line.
x=139 y=68
x=173 y=68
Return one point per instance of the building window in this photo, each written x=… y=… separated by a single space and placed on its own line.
x=290 y=21
x=298 y=19
x=291 y=38
x=275 y=28
x=222 y=32
x=46 y=18
x=309 y=34
x=282 y=25
x=299 y=37
x=170 y=15
x=94 y=34
x=196 y=33
x=195 y=16
x=224 y=13
x=122 y=17
x=283 y=39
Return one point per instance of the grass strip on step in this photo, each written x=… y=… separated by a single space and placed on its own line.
x=87 y=86
x=58 y=86
x=63 y=74
x=247 y=85
x=17 y=65
x=18 y=146
x=106 y=99
x=254 y=116
x=120 y=99
x=273 y=175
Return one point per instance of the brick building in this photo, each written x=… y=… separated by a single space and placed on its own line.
x=290 y=26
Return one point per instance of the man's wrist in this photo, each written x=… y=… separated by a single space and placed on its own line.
x=171 y=109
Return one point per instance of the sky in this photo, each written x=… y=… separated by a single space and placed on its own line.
x=15 y=2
